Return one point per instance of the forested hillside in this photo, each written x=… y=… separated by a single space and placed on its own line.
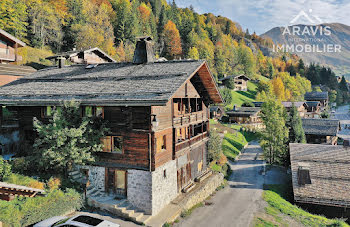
x=51 y=26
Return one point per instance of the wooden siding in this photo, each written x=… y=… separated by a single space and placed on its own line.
x=163 y=156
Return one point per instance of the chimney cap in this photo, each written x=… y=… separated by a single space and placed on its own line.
x=144 y=52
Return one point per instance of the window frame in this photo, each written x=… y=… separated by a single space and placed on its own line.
x=112 y=144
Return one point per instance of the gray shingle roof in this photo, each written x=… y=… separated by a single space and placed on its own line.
x=324 y=127
x=313 y=96
x=244 y=111
x=313 y=103
x=110 y=83
x=329 y=168
x=290 y=104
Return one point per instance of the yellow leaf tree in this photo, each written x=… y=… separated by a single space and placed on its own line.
x=172 y=39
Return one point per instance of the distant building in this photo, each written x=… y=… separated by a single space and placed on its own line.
x=89 y=56
x=320 y=174
x=301 y=107
x=321 y=131
x=241 y=82
x=9 y=192
x=9 y=71
x=245 y=115
x=258 y=104
x=313 y=109
x=216 y=112
x=321 y=97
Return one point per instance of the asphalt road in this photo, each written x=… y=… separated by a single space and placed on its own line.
x=236 y=204
x=342 y=114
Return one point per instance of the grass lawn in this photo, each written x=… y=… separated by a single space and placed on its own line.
x=239 y=97
x=279 y=208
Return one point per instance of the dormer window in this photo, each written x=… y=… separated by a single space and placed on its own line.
x=304 y=175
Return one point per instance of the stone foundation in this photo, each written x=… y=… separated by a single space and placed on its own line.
x=96 y=176
x=139 y=191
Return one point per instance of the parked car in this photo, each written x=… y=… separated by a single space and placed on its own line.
x=76 y=221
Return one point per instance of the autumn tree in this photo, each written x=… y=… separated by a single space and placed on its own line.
x=279 y=89
x=172 y=40
x=13 y=17
x=193 y=53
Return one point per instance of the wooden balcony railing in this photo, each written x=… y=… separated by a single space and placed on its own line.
x=190 y=118
x=190 y=142
x=10 y=57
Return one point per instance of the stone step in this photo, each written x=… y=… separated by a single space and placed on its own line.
x=95 y=193
x=136 y=216
x=120 y=203
x=144 y=219
x=73 y=172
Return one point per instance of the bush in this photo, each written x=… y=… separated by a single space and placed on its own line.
x=20 y=165
x=26 y=211
x=54 y=183
x=24 y=180
x=5 y=169
x=226 y=95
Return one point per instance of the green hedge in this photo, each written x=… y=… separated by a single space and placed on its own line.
x=24 y=211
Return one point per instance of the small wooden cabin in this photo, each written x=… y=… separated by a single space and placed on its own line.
x=158 y=114
x=321 y=97
x=241 y=82
x=245 y=115
x=321 y=131
x=313 y=109
x=301 y=107
x=216 y=112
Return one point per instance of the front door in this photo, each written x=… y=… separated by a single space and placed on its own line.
x=116 y=182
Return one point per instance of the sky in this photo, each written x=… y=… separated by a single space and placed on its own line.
x=263 y=15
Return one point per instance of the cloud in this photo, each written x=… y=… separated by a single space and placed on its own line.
x=262 y=15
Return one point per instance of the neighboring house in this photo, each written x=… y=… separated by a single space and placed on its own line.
x=9 y=71
x=241 y=82
x=216 y=112
x=313 y=109
x=89 y=56
x=245 y=115
x=320 y=174
x=301 y=107
x=157 y=113
x=9 y=192
x=321 y=97
x=321 y=131
x=258 y=104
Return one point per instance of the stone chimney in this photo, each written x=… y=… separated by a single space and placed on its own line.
x=144 y=52
x=61 y=62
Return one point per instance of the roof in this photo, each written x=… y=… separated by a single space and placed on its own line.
x=313 y=103
x=20 y=188
x=110 y=84
x=324 y=127
x=235 y=77
x=314 y=96
x=329 y=172
x=296 y=104
x=244 y=111
x=216 y=108
x=69 y=54
x=15 y=70
x=12 y=38
x=258 y=104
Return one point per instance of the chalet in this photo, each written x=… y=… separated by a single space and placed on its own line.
x=321 y=97
x=258 y=104
x=320 y=174
x=245 y=115
x=301 y=107
x=216 y=112
x=9 y=70
x=9 y=192
x=321 y=131
x=241 y=82
x=89 y=56
x=313 y=109
x=157 y=113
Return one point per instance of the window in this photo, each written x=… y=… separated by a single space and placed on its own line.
x=161 y=143
x=113 y=144
x=164 y=173
x=47 y=111
x=90 y=111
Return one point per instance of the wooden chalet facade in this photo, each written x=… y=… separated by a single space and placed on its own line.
x=301 y=107
x=320 y=174
x=216 y=112
x=321 y=97
x=9 y=58
x=245 y=115
x=157 y=113
x=241 y=82
x=321 y=131
x=89 y=56
x=313 y=109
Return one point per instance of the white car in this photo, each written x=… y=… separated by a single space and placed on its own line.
x=76 y=221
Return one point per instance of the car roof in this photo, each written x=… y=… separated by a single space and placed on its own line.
x=103 y=223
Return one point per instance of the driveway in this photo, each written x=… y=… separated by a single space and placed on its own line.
x=236 y=204
x=342 y=114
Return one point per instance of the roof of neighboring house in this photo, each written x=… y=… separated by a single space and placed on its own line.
x=111 y=84
x=216 y=108
x=15 y=70
x=258 y=104
x=324 y=127
x=244 y=111
x=313 y=96
x=329 y=172
x=313 y=103
x=296 y=104
x=235 y=77
x=19 y=188
x=12 y=38
x=73 y=53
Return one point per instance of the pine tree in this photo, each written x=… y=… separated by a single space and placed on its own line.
x=295 y=125
x=343 y=84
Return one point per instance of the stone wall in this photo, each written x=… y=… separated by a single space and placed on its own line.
x=207 y=188
x=96 y=176
x=140 y=189
x=164 y=186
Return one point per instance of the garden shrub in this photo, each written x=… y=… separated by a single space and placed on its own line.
x=5 y=169
x=24 y=211
x=24 y=181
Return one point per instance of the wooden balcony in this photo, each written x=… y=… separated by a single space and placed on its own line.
x=190 y=118
x=190 y=142
x=10 y=57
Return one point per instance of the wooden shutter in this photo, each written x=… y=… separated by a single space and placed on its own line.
x=107 y=144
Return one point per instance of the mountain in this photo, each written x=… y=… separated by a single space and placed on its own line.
x=321 y=36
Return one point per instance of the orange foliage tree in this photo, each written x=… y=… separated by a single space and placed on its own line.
x=172 y=40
